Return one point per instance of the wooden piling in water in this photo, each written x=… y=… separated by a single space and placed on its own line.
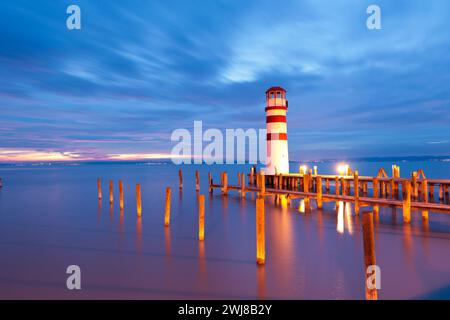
x=262 y=182
x=201 y=217
x=260 y=241
x=306 y=189
x=375 y=187
x=243 y=186
x=369 y=252
x=210 y=182
x=407 y=202
x=180 y=176
x=121 y=194
x=415 y=189
x=111 y=195
x=336 y=185
x=167 y=208
x=138 y=200
x=197 y=180
x=425 y=197
x=356 y=190
x=225 y=184
x=99 y=188
x=319 y=192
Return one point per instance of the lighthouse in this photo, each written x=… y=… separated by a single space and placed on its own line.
x=277 y=145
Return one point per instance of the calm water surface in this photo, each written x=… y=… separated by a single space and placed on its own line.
x=50 y=218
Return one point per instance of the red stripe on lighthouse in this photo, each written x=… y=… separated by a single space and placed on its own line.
x=270 y=119
x=276 y=136
x=275 y=108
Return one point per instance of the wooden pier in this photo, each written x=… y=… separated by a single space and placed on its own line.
x=418 y=192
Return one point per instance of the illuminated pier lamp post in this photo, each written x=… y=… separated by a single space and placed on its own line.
x=303 y=169
x=343 y=169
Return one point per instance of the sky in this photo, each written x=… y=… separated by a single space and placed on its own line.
x=137 y=70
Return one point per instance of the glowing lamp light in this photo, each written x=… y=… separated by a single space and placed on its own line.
x=303 y=169
x=343 y=169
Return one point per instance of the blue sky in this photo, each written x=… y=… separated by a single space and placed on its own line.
x=139 y=69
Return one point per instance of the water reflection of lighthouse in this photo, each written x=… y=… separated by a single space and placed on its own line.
x=277 y=145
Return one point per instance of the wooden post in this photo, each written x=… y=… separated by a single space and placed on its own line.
x=243 y=185
x=262 y=182
x=138 y=200
x=210 y=182
x=327 y=185
x=356 y=190
x=167 y=211
x=414 y=185
x=343 y=186
x=201 y=217
x=225 y=184
x=369 y=253
x=392 y=188
x=441 y=191
x=375 y=187
x=252 y=173
x=99 y=188
x=383 y=189
x=239 y=178
x=111 y=196
x=425 y=197
x=407 y=202
x=319 y=192
x=336 y=184
x=180 y=175
x=260 y=241
x=197 y=180
x=306 y=189
x=121 y=194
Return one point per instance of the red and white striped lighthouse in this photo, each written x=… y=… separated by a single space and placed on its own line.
x=277 y=144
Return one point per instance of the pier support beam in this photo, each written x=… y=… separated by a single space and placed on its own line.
x=201 y=217
x=99 y=188
x=167 y=209
x=356 y=190
x=180 y=176
x=138 y=200
x=319 y=192
x=369 y=255
x=197 y=180
x=407 y=202
x=260 y=240
x=121 y=194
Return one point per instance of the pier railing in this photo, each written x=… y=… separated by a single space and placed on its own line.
x=415 y=193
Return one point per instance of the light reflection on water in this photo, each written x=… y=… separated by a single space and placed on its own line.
x=50 y=221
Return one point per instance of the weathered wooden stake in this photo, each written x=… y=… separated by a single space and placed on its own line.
x=319 y=192
x=111 y=196
x=197 y=180
x=375 y=187
x=260 y=241
x=167 y=211
x=201 y=217
x=336 y=185
x=210 y=182
x=425 y=197
x=121 y=194
x=225 y=184
x=356 y=190
x=262 y=182
x=243 y=185
x=414 y=185
x=99 y=188
x=138 y=200
x=407 y=202
x=180 y=175
x=369 y=253
x=306 y=189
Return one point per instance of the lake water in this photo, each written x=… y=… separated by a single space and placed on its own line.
x=50 y=218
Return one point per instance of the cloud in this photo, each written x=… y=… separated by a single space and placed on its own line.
x=136 y=72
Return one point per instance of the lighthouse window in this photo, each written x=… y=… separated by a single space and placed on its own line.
x=272 y=95
x=278 y=95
